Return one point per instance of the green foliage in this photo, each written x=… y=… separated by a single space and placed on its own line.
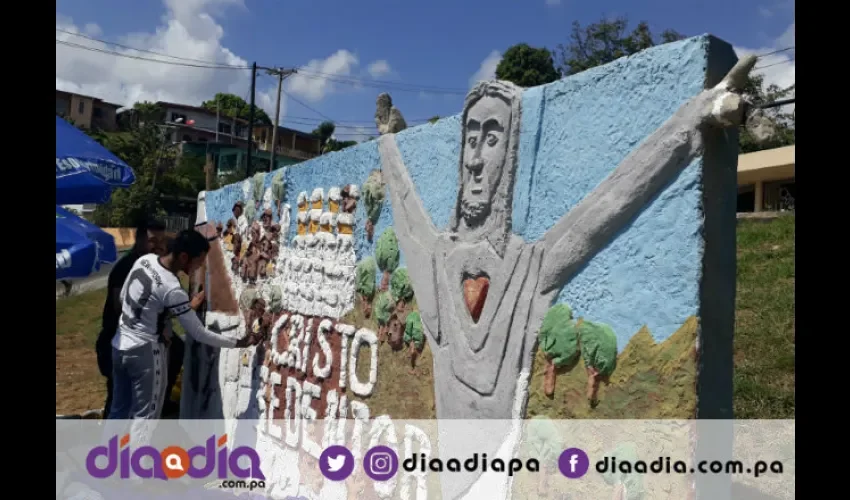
x=433 y=119
x=598 y=347
x=558 y=335
x=258 y=181
x=608 y=40
x=373 y=195
x=625 y=452
x=400 y=286
x=334 y=145
x=365 y=275
x=784 y=124
x=542 y=440
x=413 y=330
x=146 y=149
x=386 y=251
x=250 y=210
x=238 y=174
x=278 y=186
x=247 y=298
x=232 y=105
x=384 y=308
x=324 y=131
x=527 y=66
x=149 y=112
x=275 y=299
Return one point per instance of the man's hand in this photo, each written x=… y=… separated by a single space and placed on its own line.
x=198 y=300
x=248 y=341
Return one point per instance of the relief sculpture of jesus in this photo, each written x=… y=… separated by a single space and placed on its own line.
x=483 y=291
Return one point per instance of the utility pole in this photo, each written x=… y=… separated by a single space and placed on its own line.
x=217 y=116
x=251 y=116
x=281 y=74
x=209 y=170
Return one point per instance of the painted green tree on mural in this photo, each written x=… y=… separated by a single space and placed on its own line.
x=387 y=255
x=563 y=340
x=373 y=197
x=365 y=275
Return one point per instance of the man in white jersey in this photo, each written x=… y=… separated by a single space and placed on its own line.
x=151 y=296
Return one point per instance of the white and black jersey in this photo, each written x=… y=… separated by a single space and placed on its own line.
x=151 y=296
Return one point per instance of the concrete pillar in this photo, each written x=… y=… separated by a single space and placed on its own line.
x=759 y=196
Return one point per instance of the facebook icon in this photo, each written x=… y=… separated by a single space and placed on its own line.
x=573 y=463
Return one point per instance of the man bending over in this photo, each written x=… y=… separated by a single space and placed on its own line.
x=151 y=295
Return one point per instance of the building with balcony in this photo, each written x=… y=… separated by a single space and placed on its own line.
x=766 y=180
x=87 y=111
x=293 y=143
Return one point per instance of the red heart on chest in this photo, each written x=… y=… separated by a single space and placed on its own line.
x=475 y=294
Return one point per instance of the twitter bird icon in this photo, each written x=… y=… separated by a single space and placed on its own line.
x=336 y=463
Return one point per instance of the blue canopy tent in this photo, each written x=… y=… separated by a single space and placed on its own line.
x=81 y=247
x=86 y=172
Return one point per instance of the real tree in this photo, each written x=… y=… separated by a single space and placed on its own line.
x=231 y=105
x=527 y=66
x=325 y=132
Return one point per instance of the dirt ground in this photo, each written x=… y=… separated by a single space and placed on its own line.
x=79 y=385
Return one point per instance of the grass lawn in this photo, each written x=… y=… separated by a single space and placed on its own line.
x=764 y=320
x=764 y=336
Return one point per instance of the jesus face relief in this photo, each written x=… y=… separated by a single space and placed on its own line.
x=484 y=152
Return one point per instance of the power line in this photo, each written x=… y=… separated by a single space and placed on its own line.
x=161 y=54
x=774 y=64
x=308 y=107
x=775 y=52
x=140 y=58
x=199 y=63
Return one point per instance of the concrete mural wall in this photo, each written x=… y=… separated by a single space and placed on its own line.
x=564 y=251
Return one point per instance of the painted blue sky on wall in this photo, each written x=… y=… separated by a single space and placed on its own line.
x=649 y=274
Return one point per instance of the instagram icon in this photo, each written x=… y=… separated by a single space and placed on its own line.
x=380 y=463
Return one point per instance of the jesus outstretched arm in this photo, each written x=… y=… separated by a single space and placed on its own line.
x=592 y=224
x=417 y=235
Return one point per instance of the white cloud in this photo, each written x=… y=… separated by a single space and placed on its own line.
x=380 y=68
x=553 y=3
x=188 y=30
x=779 y=68
x=312 y=82
x=487 y=70
x=764 y=11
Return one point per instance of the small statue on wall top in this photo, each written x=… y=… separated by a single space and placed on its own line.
x=388 y=118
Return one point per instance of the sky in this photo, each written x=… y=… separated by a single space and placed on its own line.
x=425 y=54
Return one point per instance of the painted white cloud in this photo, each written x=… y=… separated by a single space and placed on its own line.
x=380 y=68
x=487 y=70
x=780 y=68
x=188 y=30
